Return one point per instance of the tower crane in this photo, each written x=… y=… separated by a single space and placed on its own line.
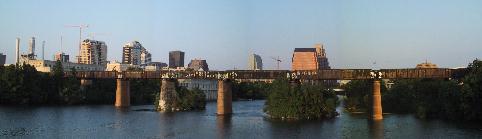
x=278 y=60
x=92 y=35
x=82 y=26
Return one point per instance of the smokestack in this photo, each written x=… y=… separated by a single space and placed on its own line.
x=43 y=50
x=31 y=48
x=17 y=51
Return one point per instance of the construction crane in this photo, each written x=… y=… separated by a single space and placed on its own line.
x=278 y=60
x=80 y=33
x=92 y=35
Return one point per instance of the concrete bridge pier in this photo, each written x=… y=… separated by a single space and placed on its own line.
x=167 y=96
x=377 y=101
x=84 y=83
x=225 y=99
x=122 y=94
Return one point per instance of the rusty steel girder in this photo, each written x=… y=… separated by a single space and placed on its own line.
x=325 y=74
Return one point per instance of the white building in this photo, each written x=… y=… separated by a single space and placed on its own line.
x=47 y=65
x=116 y=66
x=255 y=62
x=155 y=66
x=209 y=87
x=133 y=53
x=93 y=52
x=145 y=57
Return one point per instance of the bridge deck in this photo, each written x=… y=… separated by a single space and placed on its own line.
x=328 y=74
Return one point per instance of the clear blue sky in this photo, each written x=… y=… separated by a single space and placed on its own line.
x=394 y=33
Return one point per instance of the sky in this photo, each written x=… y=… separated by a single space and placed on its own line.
x=356 y=34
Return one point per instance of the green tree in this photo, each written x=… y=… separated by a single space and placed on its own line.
x=401 y=98
x=144 y=91
x=358 y=95
x=102 y=91
x=472 y=92
x=296 y=102
x=186 y=99
x=194 y=99
x=57 y=82
x=250 y=90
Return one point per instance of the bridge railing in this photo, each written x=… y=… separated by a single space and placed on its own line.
x=332 y=74
x=92 y=74
x=259 y=74
x=324 y=74
x=416 y=73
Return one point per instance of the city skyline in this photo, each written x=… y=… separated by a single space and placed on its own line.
x=395 y=34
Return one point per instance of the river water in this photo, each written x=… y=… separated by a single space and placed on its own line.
x=247 y=122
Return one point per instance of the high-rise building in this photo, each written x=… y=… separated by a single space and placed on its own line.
x=2 y=59
x=198 y=65
x=62 y=57
x=176 y=59
x=133 y=53
x=255 y=62
x=310 y=58
x=93 y=52
x=145 y=57
x=322 y=59
x=304 y=59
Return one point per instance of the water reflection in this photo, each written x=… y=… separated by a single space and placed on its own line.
x=122 y=109
x=223 y=124
x=166 y=124
x=248 y=122
x=376 y=129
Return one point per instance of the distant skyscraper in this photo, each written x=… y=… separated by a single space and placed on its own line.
x=133 y=53
x=176 y=59
x=304 y=59
x=322 y=59
x=93 y=52
x=2 y=59
x=255 y=62
x=198 y=65
x=62 y=57
x=310 y=58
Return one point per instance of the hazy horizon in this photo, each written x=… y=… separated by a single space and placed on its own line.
x=395 y=34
